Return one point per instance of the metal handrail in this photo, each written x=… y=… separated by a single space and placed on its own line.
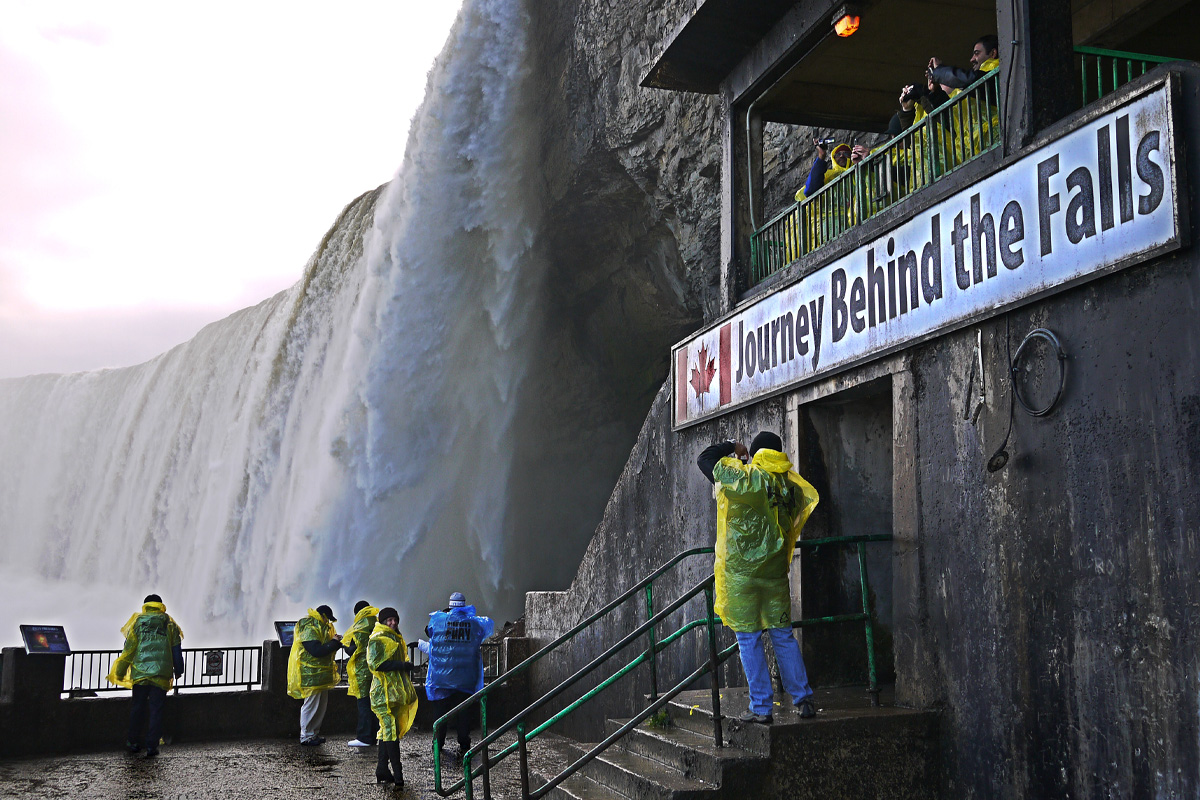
x=958 y=131
x=649 y=655
x=1117 y=66
x=86 y=670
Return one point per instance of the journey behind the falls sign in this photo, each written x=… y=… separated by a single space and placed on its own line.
x=1099 y=198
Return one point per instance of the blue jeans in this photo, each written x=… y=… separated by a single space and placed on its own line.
x=791 y=667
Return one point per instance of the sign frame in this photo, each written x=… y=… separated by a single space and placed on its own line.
x=1177 y=198
x=45 y=640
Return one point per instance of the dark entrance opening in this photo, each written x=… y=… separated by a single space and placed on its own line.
x=845 y=451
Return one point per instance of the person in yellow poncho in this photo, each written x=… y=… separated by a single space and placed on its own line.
x=153 y=651
x=761 y=508
x=393 y=698
x=311 y=671
x=358 y=674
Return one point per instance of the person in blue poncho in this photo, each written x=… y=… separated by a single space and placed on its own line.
x=455 y=665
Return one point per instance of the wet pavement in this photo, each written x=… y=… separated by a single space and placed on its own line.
x=261 y=770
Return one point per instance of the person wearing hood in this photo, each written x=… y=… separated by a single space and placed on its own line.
x=358 y=674
x=392 y=696
x=311 y=671
x=153 y=652
x=455 y=665
x=762 y=504
x=826 y=166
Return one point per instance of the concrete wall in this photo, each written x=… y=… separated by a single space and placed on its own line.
x=34 y=719
x=1050 y=610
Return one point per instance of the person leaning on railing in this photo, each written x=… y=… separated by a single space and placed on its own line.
x=153 y=651
x=971 y=118
x=311 y=671
x=761 y=508
x=358 y=674
x=455 y=670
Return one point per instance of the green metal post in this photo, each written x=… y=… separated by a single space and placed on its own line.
x=653 y=644
x=862 y=576
x=483 y=726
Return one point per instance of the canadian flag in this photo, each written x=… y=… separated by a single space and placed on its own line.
x=698 y=366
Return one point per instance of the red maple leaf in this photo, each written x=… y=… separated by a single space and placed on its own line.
x=703 y=372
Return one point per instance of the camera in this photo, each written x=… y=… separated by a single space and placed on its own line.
x=915 y=92
x=826 y=143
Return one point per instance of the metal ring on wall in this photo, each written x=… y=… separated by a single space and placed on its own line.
x=1047 y=335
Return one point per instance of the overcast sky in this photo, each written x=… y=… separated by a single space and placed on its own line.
x=165 y=164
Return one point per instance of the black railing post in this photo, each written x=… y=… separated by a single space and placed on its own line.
x=653 y=644
x=862 y=575
x=713 y=665
x=523 y=755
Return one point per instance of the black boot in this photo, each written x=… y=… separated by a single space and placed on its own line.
x=393 y=749
x=381 y=766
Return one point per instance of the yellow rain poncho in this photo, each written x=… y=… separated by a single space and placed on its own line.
x=358 y=674
x=150 y=636
x=393 y=698
x=308 y=674
x=761 y=508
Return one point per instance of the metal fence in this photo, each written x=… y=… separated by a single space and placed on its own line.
x=86 y=671
x=203 y=667
x=1102 y=72
x=962 y=129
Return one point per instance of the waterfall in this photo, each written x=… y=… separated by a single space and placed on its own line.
x=353 y=436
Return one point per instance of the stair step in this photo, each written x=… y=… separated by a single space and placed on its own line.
x=690 y=753
x=576 y=787
x=697 y=718
x=636 y=776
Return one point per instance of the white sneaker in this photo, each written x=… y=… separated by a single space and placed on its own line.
x=356 y=743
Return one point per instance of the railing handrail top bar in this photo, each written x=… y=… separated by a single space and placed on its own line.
x=582 y=671
x=1124 y=54
x=881 y=150
x=587 y=622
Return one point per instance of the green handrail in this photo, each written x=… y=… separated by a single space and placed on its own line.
x=649 y=629
x=1113 y=69
x=958 y=131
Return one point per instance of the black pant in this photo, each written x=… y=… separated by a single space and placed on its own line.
x=368 y=724
x=461 y=722
x=151 y=698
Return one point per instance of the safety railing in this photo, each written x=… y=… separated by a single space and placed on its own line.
x=86 y=670
x=951 y=135
x=1102 y=72
x=655 y=643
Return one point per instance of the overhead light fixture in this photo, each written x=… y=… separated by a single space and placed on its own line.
x=845 y=21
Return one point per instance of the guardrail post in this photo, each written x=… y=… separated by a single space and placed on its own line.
x=523 y=755
x=713 y=665
x=653 y=644
x=862 y=576
x=483 y=732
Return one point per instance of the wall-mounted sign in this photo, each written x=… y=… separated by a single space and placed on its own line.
x=1102 y=197
x=214 y=662
x=45 y=640
x=285 y=631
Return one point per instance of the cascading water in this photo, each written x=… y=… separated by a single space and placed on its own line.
x=442 y=402
x=350 y=436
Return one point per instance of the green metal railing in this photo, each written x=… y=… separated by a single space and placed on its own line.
x=651 y=630
x=1102 y=72
x=956 y=132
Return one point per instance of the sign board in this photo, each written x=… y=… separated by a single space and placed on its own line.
x=1099 y=198
x=214 y=662
x=285 y=631
x=45 y=640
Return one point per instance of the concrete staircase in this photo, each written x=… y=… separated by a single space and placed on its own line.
x=850 y=750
